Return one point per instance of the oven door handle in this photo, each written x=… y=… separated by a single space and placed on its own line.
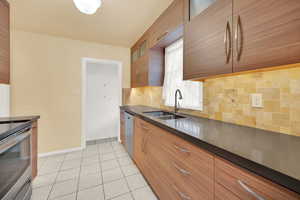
x=14 y=139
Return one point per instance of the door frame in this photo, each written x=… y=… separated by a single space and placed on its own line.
x=84 y=63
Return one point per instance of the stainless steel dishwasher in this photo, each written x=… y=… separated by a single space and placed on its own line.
x=129 y=133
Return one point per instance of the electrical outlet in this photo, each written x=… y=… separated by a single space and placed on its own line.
x=257 y=100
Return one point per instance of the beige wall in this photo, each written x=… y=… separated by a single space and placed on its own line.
x=46 y=81
x=228 y=99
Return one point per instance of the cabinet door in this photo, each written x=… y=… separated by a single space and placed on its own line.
x=267 y=33
x=166 y=23
x=122 y=127
x=4 y=43
x=140 y=142
x=207 y=40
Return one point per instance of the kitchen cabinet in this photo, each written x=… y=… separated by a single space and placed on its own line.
x=234 y=181
x=122 y=127
x=147 y=54
x=205 y=53
x=4 y=43
x=168 y=22
x=34 y=149
x=177 y=169
x=221 y=38
x=185 y=171
x=267 y=33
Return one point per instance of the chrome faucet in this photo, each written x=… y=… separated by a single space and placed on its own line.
x=176 y=103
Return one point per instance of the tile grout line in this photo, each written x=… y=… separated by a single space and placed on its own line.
x=101 y=172
x=114 y=151
x=52 y=185
x=78 y=181
x=130 y=191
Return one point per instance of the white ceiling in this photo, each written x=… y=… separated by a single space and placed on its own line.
x=117 y=22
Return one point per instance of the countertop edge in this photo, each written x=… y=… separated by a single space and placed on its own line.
x=258 y=169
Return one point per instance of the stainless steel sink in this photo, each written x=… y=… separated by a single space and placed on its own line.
x=164 y=115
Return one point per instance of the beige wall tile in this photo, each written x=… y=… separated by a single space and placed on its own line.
x=228 y=99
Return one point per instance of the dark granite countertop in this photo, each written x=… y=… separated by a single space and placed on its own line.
x=272 y=155
x=11 y=125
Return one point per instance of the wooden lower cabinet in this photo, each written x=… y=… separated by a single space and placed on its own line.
x=179 y=170
x=221 y=193
x=246 y=185
x=168 y=175
x=122 y=127
x=34 y=149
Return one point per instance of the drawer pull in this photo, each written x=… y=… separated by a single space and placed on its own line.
x=182 y=171
x=162 y=36
x=181 y=194
x=145 y=128
x=245 y=187
x=181 y=149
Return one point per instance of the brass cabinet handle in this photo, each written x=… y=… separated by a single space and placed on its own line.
x=238 y=38
x=181 y=194
x=227 y=42
x=182 y=171
x=181 y=149
x=163 y=35
x=247 y=189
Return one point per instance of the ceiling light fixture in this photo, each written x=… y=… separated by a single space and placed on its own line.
x=88 y=7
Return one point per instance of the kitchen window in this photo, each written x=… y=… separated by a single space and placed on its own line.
x=192 y=91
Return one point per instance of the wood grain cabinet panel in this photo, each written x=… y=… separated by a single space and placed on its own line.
x=221 y=193
x=268 y=33
x=147 y=66
x=171 y=19
x=205 y=52
x=122 y=127
x=179 y=176
x=248 y=186
x=236 y=35
x=177 y=169
x=34 y=149
x=4 y=42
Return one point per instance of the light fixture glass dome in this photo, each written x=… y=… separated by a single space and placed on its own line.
x=88 y=6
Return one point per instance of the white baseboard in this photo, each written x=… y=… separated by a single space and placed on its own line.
x=59 y=152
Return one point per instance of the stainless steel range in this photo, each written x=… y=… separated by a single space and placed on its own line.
x=15 y=162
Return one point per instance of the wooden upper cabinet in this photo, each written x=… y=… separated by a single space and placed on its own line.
x=226 y=36
x=4 y=42
x=267 y=33
x=171 y=19
x=147 y=55
x=207 y=38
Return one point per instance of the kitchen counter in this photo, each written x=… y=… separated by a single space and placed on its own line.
x=10 y=125
x=272 y=155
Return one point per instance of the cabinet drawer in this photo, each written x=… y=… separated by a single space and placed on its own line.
x=222 y=193
x=184 y=151
x=189 y=180
x=246 y=185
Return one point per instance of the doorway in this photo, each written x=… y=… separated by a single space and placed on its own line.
x=101 y=98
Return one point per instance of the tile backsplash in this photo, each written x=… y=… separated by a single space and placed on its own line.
x=229 y=99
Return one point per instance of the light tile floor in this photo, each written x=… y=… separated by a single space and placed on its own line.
x=99 y=172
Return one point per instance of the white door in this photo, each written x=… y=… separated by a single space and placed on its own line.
x=102 y=101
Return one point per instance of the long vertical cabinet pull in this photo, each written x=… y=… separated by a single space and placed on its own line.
x=227 y=42
x=238 y=38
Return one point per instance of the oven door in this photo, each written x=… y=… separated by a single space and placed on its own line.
x=15 y=164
